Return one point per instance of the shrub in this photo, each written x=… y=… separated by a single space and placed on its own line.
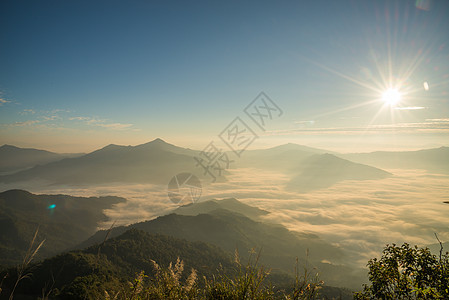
x=405 y=272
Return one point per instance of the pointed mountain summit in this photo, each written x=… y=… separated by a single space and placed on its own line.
x=153 y=162
x=160 y=144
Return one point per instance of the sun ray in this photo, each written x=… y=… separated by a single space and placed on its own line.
x=344 y=76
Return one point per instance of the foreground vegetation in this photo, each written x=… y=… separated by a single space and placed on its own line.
x=109 y=271
x=405 y=272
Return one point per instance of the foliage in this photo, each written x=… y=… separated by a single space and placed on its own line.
x=405 y=272
x=247 y=283
x=69 y=222
x=125 y=268
x=22 y=269
x=306 y=286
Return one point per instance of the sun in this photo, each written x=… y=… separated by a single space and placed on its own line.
x=391 y=97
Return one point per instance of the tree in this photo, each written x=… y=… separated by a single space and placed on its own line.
x=405 y=272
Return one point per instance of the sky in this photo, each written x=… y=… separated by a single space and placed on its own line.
x=78 y=75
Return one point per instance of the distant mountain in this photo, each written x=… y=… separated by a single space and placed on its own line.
x=154 y=162
x=279 y=158
x=434 y=160
x=230 y=230
x=324 y=170
x=14 y=158
x=231 y=204
x=157 y=162
x=63 y=221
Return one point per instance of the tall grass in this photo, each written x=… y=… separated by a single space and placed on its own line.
x=22 y=269
x=307 y=285
x=248 y=281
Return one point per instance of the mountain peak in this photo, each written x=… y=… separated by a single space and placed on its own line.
x=158 y=140
x=158 y=143
x=9 y=146
x=111 y=146
x=15 y=192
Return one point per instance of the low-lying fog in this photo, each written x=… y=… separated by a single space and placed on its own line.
x=359 y=216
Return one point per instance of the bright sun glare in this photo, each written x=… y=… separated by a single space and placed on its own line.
x=391 y=97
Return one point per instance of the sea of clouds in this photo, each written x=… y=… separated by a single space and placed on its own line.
x=358 y=216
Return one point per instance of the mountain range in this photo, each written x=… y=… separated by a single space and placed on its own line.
x=433 y=160
x=153 y=162
x=86 y=274
x=224 y=225
x=231 y=230
x=112 y=265
x=15 y=159
x=158 y=161
x=324 y=170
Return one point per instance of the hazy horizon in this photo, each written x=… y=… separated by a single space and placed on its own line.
x=263 y=143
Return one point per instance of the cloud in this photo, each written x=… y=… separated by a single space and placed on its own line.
x=429 y=125
x=360 y=217
x=305 y=123
x=51 y=118
x=27 y=111
x=79 y=118
x=58 y=119
x=104 y=123
x=409 y=108
x=58 y=110
x=116 y=126
x=444 y=120
x=3 y=101
x=25 y=123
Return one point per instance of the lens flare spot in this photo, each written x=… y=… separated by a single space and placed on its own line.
x=423 y=4
x=426 y=85
x=52 y=206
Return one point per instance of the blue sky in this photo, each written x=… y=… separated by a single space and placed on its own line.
x=77 y=75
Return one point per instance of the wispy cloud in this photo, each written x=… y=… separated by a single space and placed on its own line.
x=305 y=123
x=62 y=119
x=51 y=118
x=116 y=126
x=3 y=101
x=79 y=118
x=104 y=123
x=27 y=111
x=25 y=123
x=429 y=125
x=410 y=108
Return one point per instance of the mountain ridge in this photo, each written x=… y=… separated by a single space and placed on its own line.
x=324 y=170
x=15 y=158
x=62 y=220
x=229 y=230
